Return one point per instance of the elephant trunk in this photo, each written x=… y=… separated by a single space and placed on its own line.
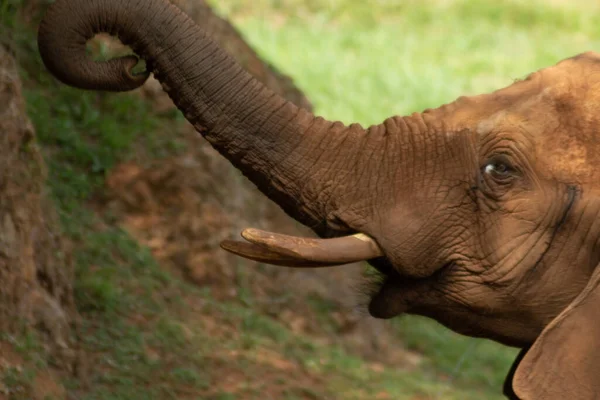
x=278 y=146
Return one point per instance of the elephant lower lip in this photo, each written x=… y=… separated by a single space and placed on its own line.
x=389 y=301
x=398 y=294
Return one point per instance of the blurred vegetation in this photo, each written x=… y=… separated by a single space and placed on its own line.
x=363 y=61
x=357 y=61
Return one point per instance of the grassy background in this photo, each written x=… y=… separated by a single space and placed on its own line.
x=363 y=61
x=151 y=335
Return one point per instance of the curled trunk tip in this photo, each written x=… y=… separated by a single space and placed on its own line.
x=62 y=38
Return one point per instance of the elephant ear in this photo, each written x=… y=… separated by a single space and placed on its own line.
x=564 y=361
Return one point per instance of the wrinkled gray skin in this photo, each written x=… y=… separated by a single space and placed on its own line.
x=486 y=209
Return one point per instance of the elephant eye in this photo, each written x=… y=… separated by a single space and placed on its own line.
x=499 y=169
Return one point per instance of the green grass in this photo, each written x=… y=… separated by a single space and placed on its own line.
x=357 y=61
x=421 y=54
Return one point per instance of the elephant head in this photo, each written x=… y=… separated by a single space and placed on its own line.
x=481 y=214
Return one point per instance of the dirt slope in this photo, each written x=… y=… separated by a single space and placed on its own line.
x=36 y=271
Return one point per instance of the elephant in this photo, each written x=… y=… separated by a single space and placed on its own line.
x=482 y=214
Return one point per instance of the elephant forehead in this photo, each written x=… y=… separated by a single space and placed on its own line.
x=568 y=160
x=553 y=116
x=560 y=144
x=558 y=111
x=568 y=133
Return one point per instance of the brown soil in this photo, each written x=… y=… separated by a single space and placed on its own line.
x=35 y=268
x=45 y=385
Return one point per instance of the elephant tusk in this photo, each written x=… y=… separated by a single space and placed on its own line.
x=258 y=253
x=302 y=252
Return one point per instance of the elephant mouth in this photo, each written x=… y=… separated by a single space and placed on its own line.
x=397 y=294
